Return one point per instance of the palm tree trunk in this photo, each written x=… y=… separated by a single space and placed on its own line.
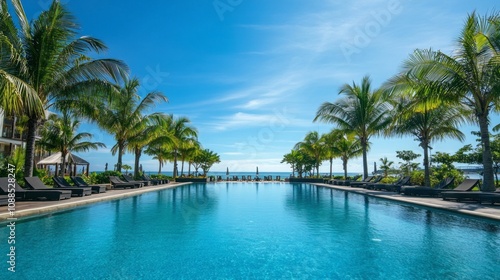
x=344 y=165
x=427 y=171
x=62 y=172
x=488 y=179
x=364 y=145
x=331 y=168
x=120 y=152
x=30 y=147
x=159 y=167
x=175 y=164
x=138 y=153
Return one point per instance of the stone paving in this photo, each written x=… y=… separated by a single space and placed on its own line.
x=470 y=208
x=31 y=208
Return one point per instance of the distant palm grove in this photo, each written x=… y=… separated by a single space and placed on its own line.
x=46 y=68
x=429 y=99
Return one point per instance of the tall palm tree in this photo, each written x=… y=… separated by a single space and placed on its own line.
x=60 y=135
x=347 y=147
x=329 y=142
x=44 y=62
x=149 y=130
x=313 y=146
x=362 y=111
x=470 y=76
x=182 y=132
x=123 y=116
x=187 y=151
x=159 y=152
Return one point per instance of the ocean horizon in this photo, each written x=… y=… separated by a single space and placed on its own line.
x=239 y=174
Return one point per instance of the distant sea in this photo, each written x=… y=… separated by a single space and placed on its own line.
x=252 y=174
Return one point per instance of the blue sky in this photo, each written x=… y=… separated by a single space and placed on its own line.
x=250 y=75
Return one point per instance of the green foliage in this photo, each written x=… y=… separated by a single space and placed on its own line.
x=44 y=176
x=205 y=159
x=386 y=165
x=407 y=167
x=17 y=160
x=444 y=158
x=102 y=178
x=160 y=177
x=388 y=180
x=417 y=177
x=301 y=162
x=443 y=171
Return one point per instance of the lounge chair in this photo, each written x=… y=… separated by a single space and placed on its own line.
x=394 y=187
x=79 y=182
x=131 y=180
x=428 y=191
x=154 y=181
x=117 y=183
x=462 y=191
x=491 y=197
x=4 y=200
x=362 y=182
x=36 y=184
x=22 y=194
x=61 y=183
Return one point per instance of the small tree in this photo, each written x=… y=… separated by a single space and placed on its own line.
x=126 y=167
x=386 y=165
x=407 y=166
x=205 y=159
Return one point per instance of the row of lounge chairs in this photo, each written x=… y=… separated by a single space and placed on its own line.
x=249 y=178
x=373 y=183
x=37 y=190
x=463 y=192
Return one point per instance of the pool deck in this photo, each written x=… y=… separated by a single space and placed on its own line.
x=34 y=208
x=469 y=208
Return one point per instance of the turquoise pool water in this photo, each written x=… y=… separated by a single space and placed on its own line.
x=254 y=231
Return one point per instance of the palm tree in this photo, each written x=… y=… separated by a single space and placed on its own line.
x=470 y=76
x=187 y=151
x=159 y=152
x=329 y=142
x=44 y=63
x=149 y=130
x=347 y=147
x=313 y=146
x=182 y=133
x=292 y=158
x=386 y=165
x=362 y=111
x=427 y=122
x=124 y=117
x=60 y=135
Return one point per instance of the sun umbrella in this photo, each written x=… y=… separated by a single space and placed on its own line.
x=227 y=171
x=257 y=170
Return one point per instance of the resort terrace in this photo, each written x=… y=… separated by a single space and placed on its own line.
x=24 y=209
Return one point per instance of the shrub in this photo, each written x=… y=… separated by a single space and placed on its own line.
x=388 y=180
x=102 y=178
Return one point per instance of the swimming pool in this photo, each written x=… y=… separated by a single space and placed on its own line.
x=254 y=230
